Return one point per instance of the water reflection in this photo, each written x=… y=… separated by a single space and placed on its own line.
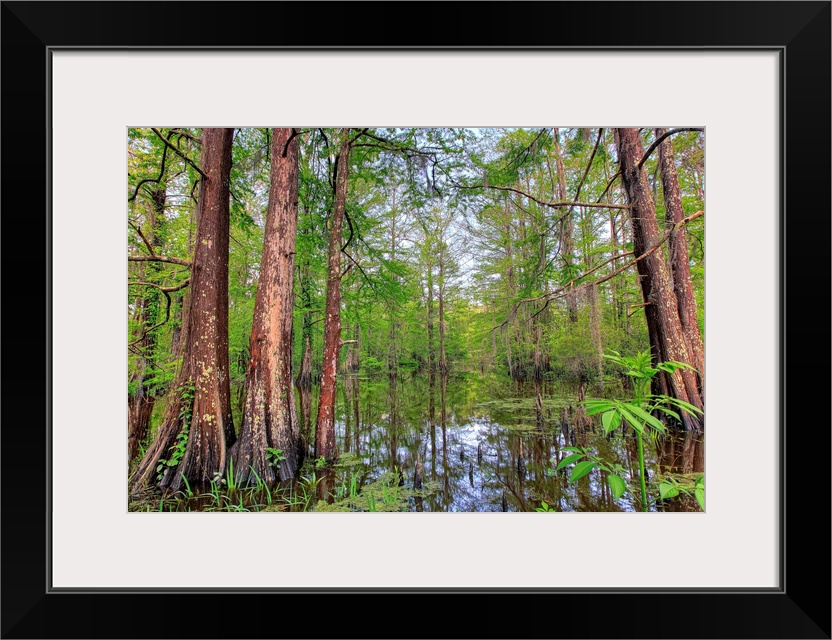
x=478 y=443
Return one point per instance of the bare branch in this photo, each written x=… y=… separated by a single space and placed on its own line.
x=184 y=263
x=658 y=141
x=141 y=235
x=570 y=286
x=178 y=287
x=176 y=150
x=589 y=165
x=597 y=205
x=155 y=326
x=180 y=132
x=156 y=180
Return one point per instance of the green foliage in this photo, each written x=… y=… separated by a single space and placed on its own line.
x=177 y=449
x=274 y=456
x=418 y=196
x=638 y=412
x=693 y=485
x=585 y=461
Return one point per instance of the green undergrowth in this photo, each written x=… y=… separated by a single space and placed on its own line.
x=382 y=495
x=522 y=405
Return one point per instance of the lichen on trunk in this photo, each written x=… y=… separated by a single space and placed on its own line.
x=269 y=434
x=200 y=410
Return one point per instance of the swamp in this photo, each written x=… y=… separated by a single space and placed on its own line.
x=415 y=319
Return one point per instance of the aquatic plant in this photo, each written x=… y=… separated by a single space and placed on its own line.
x=637 y=413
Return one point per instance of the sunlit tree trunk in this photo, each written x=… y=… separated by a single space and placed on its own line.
x=200 y=407
x=661 y=308
x=678 y=251
x=325 y=426
x=268 y=417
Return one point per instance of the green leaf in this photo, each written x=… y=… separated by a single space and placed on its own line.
x=641 y=413
x=669 y=412
x=629 y=418
x=611 y=421
x=581 y=469
x=667 y=490
x=597 y=406
x=617 y=485
x=699 y=493
x=572 y=449
x=687 y=406
x=568 y=460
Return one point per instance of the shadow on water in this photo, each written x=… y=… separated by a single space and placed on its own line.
x=476 y=443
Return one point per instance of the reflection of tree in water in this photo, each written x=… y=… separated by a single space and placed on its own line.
x=480 y=445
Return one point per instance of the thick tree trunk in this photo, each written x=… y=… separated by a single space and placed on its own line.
x=325 y=426
x=679 y=259
x=567 y=236
x=661 y=307
x=269 y=420
x=198 y=416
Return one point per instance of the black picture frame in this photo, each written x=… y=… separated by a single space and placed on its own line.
x=799 y=608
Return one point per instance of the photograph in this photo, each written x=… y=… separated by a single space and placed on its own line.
x=386 y=264
x=416 y=319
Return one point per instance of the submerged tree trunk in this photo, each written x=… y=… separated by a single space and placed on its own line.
x=197 y=429
x=325 y=426
x=679 y=259
x=667 y=333
x=268 y=419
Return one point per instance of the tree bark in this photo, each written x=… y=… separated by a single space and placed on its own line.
x=661 y=308
x=201 y=407
x=268 y=418
x=325 y=425
x=679 y=258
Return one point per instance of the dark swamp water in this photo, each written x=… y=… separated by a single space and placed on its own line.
x=474 y=443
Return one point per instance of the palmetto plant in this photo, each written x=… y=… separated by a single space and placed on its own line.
x=636 y=412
